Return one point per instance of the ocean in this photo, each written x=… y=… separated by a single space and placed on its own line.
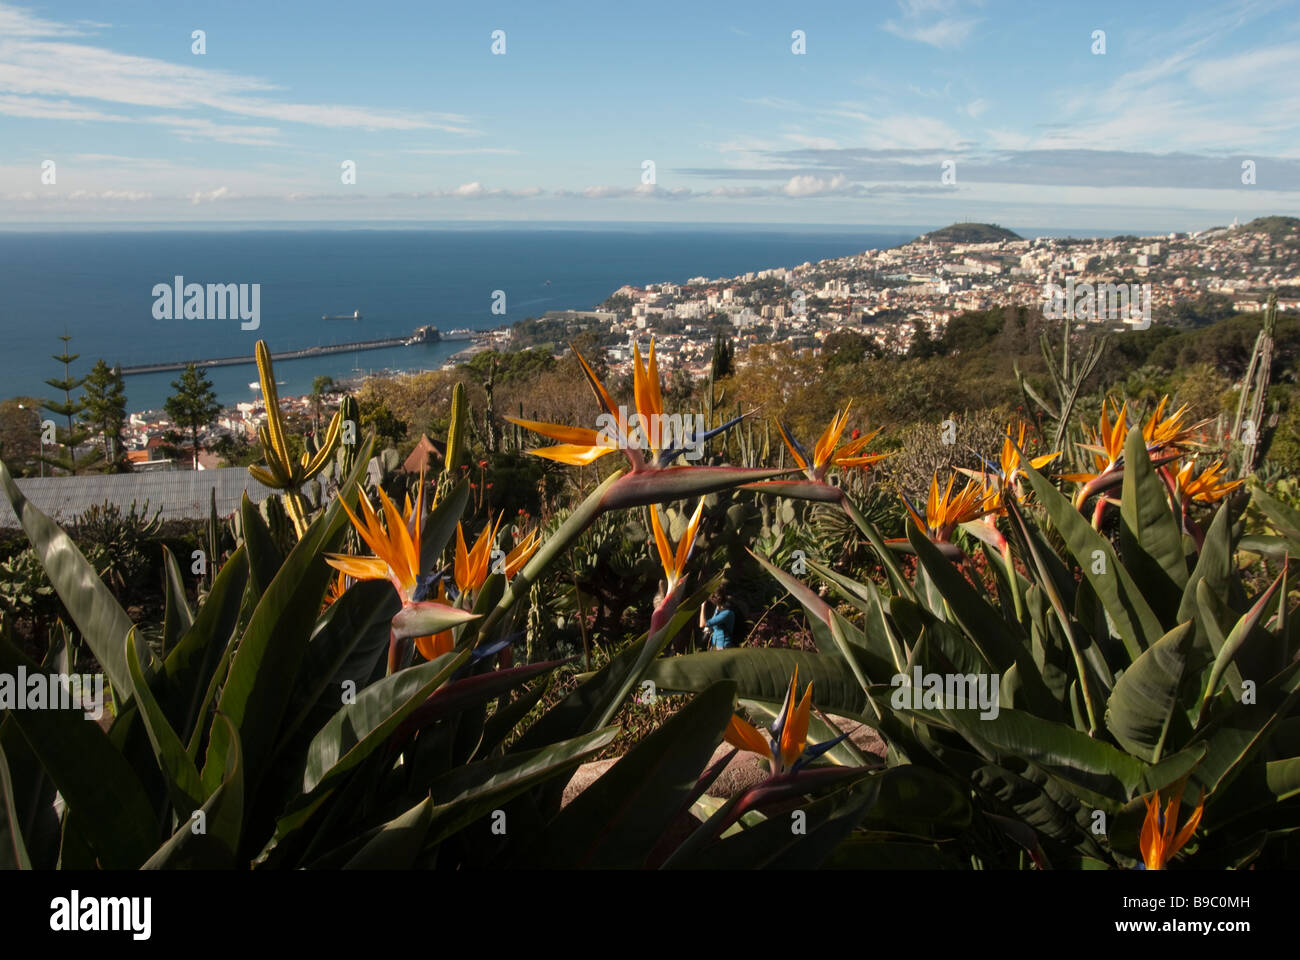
x=98 y=287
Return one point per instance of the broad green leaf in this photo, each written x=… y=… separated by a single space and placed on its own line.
x=189 y=667
x=208 y=839
x=264 y=559
x=764 y=674
x=1097 y=771
x=13 y=852
x=1233 y=643
x=468 y=792
x=1216 y=566
x=1145 y=698
x=183 y=783
x=1150 y=539
x=397 y=844
x=359 y=727
x=177 y=617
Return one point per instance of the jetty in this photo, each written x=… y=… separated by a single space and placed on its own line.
x=426 y=334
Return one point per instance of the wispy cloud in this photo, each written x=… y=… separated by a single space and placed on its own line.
x=43 y=72
x=932 y=22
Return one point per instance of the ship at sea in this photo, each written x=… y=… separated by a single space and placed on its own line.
x=355 y=315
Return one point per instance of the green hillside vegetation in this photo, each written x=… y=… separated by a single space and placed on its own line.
x=1276 y=227
x=971 y=233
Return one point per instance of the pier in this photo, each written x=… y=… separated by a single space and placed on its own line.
x=427 y=334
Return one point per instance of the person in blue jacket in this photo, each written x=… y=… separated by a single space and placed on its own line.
x=722 y=623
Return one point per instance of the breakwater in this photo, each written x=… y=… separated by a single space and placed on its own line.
x=421 y=335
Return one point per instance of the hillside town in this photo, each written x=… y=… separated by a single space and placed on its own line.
x=890 y=295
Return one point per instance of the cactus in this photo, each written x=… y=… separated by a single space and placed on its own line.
x=281 y=472
x=456 y=453
x=1254 y=391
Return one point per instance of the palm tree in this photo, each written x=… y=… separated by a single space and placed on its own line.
x=320 y=386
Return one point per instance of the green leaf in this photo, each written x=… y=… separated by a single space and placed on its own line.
x=183 y=783
x=1096 y=771
x=13 y=852
x=1232 y=645
x=1215 y=566
x=397 y=844
x=1149 y=536
x=1142 y=704
x=95 y=780
x=189 y=667
x=92 y=606
x=504 y=720
x=764 y=674
x=348 y=644
x=1135 y=622
x=468 y=792
x=359 y=727
x=216 y=845
x=264 y=559
x=177 y=617
x=618 y=820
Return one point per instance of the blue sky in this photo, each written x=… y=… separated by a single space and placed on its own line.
x=1039 y=130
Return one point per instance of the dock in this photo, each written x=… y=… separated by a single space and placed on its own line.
x=426 y=334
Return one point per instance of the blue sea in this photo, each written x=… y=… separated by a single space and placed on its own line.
x=98 y=288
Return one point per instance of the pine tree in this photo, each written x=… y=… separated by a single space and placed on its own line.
x=104 y=400
x=193 y=406
x=70 y=437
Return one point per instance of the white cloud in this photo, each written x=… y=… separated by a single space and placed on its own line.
x=809 y=186
x=16 y=22
x=210 y=196
x=946 y=34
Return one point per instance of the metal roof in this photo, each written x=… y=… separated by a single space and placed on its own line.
x=181 y=494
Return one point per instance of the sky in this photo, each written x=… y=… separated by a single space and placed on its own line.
x=864 y=112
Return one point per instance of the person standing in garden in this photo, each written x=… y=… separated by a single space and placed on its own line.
x=722 y=623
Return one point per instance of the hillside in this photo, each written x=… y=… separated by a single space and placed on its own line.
x=1275 y=227
x=971 y=233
